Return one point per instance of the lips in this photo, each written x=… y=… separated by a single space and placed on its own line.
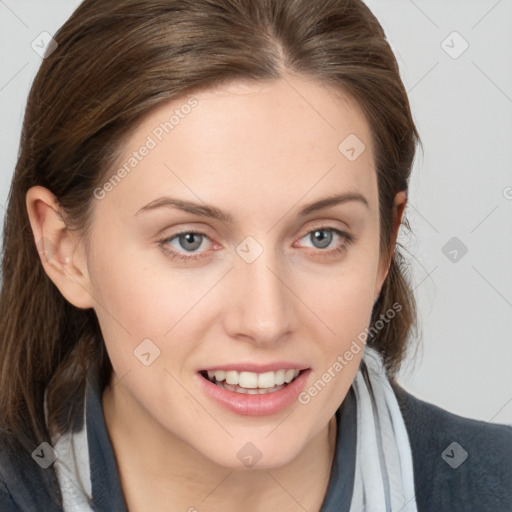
x=254 y=401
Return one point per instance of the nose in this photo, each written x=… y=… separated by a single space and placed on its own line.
x=261 y=302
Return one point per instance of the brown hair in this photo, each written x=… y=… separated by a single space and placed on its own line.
x=117 y=60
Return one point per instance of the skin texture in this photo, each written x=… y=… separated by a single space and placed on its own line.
x=260 y=152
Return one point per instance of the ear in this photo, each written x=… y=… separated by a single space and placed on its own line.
x=384 y=264
x=61 y=251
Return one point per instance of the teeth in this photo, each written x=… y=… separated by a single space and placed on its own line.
x=232 y=378
x=253 y=381
x=265 y=380
x=241 y=390
x=289 y=375
x=279 y=377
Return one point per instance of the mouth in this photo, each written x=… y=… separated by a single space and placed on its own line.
x=252 y=383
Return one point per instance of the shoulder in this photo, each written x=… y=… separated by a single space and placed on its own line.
x=10 y=472
x=459 y=463
x=25 y=486
x=7 y=503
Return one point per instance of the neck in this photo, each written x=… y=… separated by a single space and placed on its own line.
x=168 y=471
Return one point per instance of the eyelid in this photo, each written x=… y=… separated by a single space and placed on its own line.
x=328 y=226
x=346 y=237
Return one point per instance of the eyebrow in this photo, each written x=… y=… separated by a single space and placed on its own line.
x=205 y=210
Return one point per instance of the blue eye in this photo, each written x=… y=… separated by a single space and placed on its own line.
x=321 y=240
x=318 y=235
x=190 y=241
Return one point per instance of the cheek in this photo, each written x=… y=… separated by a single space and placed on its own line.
x=345 y=296
x=346 y=316
x=140 y=298
x=344 y=303
x=340 y=342
x=139 y=292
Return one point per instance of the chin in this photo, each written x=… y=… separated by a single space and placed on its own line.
x=253 y=455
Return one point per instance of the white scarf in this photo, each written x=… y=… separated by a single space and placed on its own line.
x=383 y=480
x=71 y=447
x=384 y=477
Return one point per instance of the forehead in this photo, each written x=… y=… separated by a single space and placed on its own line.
x=247 y=141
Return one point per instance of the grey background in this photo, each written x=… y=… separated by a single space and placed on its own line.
x=461 y=187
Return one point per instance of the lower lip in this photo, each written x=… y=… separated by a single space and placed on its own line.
x=255 y=405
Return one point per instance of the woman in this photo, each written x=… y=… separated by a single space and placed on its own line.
x=203 y=305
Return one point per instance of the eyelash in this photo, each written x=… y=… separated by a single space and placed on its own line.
x=348 y=239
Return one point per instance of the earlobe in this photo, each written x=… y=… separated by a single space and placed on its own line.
x=60 y=251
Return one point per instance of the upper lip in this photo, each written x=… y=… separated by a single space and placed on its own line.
x=257 y=368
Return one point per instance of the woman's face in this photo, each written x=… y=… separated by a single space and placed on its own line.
x=258 y=280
